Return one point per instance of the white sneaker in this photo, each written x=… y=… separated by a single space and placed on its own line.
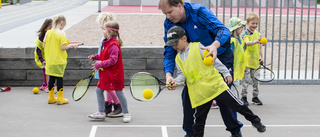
x=126 y=118
x=97 y=115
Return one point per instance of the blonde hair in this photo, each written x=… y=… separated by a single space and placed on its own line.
x=105 y=17
x=57 y=19
x=252 y=16
x=114 y=25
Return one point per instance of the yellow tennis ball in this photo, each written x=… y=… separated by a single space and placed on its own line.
x=147 y=94
x=263 y=40
x=208 y=61
x=35 y=90
x=205 y=53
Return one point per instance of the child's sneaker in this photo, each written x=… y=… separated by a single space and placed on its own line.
x=126 y=118
x=256 y=101
x=260 y=127
x=214 y=105
x=97 y=115
x=117 y=112
x=245 y=101
x=44 y=88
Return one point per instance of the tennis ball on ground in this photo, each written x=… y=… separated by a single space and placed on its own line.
x=205 y=53
x=263 y=40
x=208 y=61
x=147 y=94
x=35 y=90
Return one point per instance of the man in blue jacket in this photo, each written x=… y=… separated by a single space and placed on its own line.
x=201 y=25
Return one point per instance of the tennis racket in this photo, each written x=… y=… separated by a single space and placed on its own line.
x=263 y=74
x=144 y=80
x=81 y=88
x=234 y=90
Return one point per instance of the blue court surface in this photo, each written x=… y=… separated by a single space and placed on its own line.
x=288 y=111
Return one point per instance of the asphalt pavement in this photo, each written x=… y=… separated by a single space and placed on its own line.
x=19 y=23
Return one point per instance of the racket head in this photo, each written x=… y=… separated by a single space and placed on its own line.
x=263 y=74
x=235 y=90
x=81 y=88
x=142 y=81
x=79 y=43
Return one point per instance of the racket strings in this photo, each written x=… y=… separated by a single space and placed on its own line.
x=264 y=74
x=80 y=89
x=141 y=82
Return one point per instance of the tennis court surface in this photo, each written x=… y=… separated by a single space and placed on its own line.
x=288 y=111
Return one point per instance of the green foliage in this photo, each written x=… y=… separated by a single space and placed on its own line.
x=8 y=1
x=318 y=1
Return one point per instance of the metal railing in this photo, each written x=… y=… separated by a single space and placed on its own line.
x=293 y=48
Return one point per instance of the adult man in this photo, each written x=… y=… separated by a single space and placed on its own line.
x=201 y=25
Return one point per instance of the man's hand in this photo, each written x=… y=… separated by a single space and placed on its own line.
x=212 y=50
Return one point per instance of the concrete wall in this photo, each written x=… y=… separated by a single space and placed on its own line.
x=17 y=66
x=242 y=3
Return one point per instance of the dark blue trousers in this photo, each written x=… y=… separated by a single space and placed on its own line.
x=229 y=116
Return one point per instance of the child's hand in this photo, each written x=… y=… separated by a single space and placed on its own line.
x=43 y=63
x=91 y=57
x=228 y=79
x=170 y=80
x=261 y=61
x=258 y=41
x=93 y=68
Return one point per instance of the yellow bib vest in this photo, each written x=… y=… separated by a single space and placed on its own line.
x=36 y=57
x=56 y=59
x=204 y=82
x=238 y=62
x=252 y=53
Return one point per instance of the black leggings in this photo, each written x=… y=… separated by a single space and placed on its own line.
x=52 y=80
x=228 y=99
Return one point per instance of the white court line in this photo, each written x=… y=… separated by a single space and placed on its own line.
x=164 y=131
x=93 y=131
x=164 y=127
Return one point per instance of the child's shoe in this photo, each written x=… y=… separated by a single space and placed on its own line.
x=117 y=112
x=61 y=100
x=98 y=115
x=260 y=127
x=214 y=105
x=51 y=98
x=107 y=107
x=256 y=101
x=126 y=118
x=245 y=101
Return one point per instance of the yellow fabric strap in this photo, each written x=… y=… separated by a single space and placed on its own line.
x=239 y=64
x=252 y=53
x=204 y=82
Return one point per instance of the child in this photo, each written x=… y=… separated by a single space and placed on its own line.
x=236 y=28
x=111 y=73
x=55 y=46
x=39 y=53
x=111 y=97
x=204 y=82
x=253 y=53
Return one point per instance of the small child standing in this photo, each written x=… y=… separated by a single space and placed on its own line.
x=253 y=55
x=111 y=73
x=39 y=56
x=204 y=82
x=55 y=45
x=111 y=97
x=236 y=28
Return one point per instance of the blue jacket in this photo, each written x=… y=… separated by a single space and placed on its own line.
x=201 y=26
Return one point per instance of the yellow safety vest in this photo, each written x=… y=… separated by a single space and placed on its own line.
x=204 y=82
x=36 y=57
x=252 y=53
x=56 y=59
x=239 y=65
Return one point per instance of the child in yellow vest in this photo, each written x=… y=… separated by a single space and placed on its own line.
x=204 y=82
x=39 y=56
x=236 y=28
x=253 y=53
x=55 y=45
